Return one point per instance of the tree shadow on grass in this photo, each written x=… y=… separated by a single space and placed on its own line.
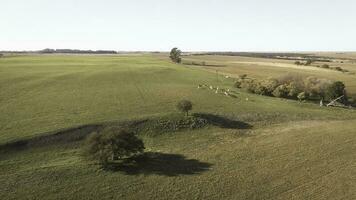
x=159 y=164
x=223 y=122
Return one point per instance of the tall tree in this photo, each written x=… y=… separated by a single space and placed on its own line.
x=112 y=144
x=335 y=90
x=185 y=106
x=175 y=55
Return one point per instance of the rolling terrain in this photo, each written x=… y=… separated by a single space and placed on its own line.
x=256 y=147
x=264 y=68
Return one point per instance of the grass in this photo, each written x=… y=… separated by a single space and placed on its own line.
x=262 y=68
x=289 y=150
x=296 y=160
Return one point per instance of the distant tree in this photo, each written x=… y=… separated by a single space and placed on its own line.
x=112 y=144
x=338 y=68
x=326 y=66
x=335 y=90
x=1 y=55
x=175 y=55
x=297 y=62
x=309 y=62
x=185 y=106
x=48 y=51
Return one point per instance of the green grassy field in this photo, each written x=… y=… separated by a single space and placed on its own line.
x=292 y=150
x=263 y=68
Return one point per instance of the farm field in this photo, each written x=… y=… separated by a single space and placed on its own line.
x=289 y=150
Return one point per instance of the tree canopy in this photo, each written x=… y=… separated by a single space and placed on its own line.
x=112 y=144
x=335 y=90
x=175 y=55
x=185 y=106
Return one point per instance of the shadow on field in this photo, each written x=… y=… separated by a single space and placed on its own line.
x=160 y=164
x=61 y=137
x=223 y=122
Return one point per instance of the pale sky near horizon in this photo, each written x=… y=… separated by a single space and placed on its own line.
x=191 y=25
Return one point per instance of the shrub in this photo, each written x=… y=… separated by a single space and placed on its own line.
x=351 y=101
x=242 y=76
x=259 y=88
x=112 y=144
x=338 y=69
x=294 y=87
x=302 y=96
x=293 y=90
x=281 y=91
x=286 y=79
x=185 y=106
x=326 y=66
x=238 y=83
x=316 y=87
x=249 y=85
x=270 y=85
x=309 y=62
x=297 y=63
x=335 y=90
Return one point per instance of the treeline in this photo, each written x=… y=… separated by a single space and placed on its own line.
x=68 y=51
x=77 y=51
x=284 y=56
x=296 y=87
x=324 y=66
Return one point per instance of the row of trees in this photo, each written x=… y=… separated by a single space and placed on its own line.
x=77 y=51
x=295 y=87
x=324 y=66
x=306 y=63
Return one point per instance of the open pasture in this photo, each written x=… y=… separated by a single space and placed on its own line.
x=263 y=68
x=289 y=150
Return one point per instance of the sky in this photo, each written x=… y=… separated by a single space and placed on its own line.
x=191 y=25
